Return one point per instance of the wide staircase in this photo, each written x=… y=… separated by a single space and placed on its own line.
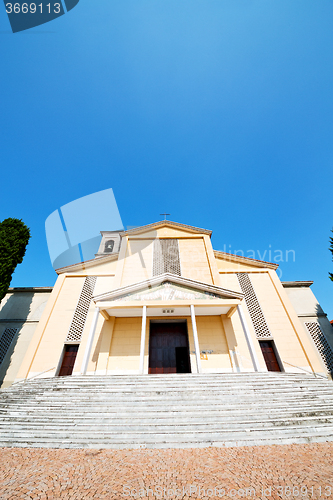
x=167 y=411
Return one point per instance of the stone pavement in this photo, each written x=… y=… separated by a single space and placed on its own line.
x=303 y=471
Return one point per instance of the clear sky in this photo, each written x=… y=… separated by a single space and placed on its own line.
x=219 y=112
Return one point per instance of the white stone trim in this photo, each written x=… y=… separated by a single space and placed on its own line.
x=195 y=338
x=248 y=338
x=89 y=342
x=143 y=339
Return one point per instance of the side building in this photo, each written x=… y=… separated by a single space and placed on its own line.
x=158 y=299
x=20 y=312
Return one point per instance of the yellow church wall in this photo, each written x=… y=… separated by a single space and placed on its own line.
x=138 y=263
x=211 y=260
x=102 y=350
x=104 y=284
x=125 y=346
x=48 y=344
x=193 y=260
x=229 y=281
x=212 y=337
x=304 y=338
x=93 y=269
x=285 y=337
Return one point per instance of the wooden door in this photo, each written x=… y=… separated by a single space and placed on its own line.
x=68 y=360
x=168 y=348
x=269 y=356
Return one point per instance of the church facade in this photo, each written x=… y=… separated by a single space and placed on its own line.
x=158 y=299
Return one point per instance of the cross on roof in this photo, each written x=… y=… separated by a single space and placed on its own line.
x=165 y=215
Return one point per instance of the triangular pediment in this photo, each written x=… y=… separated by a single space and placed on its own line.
x=167 y=287
x=170 y=291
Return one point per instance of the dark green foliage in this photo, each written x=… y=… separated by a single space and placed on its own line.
x=331 y=249
x=14 y=237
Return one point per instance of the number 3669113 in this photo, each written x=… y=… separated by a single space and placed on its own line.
x=32 y=8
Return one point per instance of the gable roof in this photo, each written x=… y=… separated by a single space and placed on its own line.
x=244 y=260
x=81 y=266
x=166 y=223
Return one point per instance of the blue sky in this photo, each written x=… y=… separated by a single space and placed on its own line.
x=217 y=111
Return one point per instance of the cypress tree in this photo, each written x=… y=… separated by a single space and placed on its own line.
x=331 y=249
x=14 y=237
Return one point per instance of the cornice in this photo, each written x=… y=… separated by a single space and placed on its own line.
x=244 y=260
x=298 y=284
x=163 y=223
x=81 y=266
x=35 y=289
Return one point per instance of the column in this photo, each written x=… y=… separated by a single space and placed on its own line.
x=248 y=339
x=196 y=340
x=90 y=342
x=235 y=367
x=143 y=339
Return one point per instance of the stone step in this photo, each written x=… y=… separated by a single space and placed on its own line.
x=152 y=436
x=127 y=389
x=154 y=414
x=164 y=418
x=158 y=392
x=174 y=419
x=204 y=379
x=166 y=376
x=150 y=381
x=167 y=410
x=248 y=441
x=252 y=392
x=223 y=415
x=161 y=404
x=121 y=426
x=255 y=404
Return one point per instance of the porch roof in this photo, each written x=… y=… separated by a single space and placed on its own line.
x=168 y=295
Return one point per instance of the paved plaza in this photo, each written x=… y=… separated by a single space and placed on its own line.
x=272 y=472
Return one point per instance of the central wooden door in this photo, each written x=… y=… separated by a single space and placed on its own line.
x=168 y=348
x=269 y=356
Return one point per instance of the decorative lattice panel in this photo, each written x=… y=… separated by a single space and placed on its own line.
x=5 y=341
x=81 y=310
x=166 y=257
x=321 y=343
x=252 y=303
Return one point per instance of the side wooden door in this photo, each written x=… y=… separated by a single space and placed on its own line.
x=269 y=356
x=68 y=361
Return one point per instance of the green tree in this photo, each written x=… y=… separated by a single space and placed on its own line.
x=331 y=249
x=14 y=237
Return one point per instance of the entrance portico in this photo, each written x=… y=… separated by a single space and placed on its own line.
x=171 y=298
